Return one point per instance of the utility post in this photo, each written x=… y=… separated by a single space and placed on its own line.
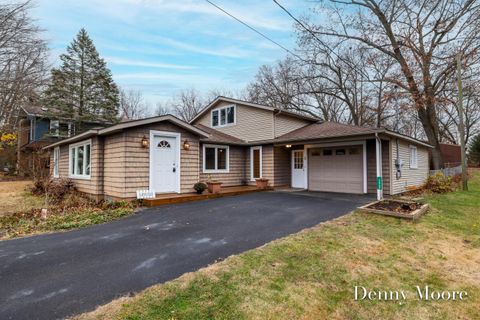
x=461 y=125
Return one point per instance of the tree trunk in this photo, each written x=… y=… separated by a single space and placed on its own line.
x=429 y=122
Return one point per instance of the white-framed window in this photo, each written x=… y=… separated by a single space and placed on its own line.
x=224 y=116
x=256 y=166
x=413 y=157
x=216 y=158
x=80 y=159
x=56 y=161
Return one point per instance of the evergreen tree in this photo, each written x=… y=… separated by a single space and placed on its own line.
x=82 y=88
x=474 y=151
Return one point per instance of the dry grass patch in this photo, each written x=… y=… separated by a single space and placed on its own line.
x=15 y=197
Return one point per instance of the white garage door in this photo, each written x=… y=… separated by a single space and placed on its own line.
x=336 y=169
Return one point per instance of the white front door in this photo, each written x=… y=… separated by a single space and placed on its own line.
x=298 y=169
x=165 y=163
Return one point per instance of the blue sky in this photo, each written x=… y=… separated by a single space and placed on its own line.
x=160 y=47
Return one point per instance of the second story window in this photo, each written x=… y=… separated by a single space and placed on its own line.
x=61 y=129
x=223 y=116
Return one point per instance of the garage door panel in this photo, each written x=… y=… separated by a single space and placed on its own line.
x=336 y=169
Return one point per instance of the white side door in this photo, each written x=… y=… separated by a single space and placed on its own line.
x=165 y=168
x=298 y=169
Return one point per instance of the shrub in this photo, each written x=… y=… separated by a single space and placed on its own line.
x=439 y=183
x=58 y=189
x=200 y=187
x=39 y=187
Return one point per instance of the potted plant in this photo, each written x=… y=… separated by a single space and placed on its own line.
x=213 y=185
x=199 y=187
x=262 y=183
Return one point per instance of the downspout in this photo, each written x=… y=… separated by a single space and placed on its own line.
x=378 y=159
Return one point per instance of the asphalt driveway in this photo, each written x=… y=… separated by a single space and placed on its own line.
x=56 y=275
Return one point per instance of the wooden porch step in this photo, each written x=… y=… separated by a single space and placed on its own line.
x=186 y=197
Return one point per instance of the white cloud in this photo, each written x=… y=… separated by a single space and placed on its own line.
x=140 y=63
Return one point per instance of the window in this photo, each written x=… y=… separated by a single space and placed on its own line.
x=61 y=129
x=164 y=144
x=215 y=118
x=340 y=152
x=215 y=158
x=413 y=157
x=255 y=163
x=56 y=159
x=80 y=154
x=298 y=160
x=223 y=116
x=327 y=152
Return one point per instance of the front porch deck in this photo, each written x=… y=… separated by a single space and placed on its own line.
x=171 y=198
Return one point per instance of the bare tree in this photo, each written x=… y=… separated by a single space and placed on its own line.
x=161 y=109
x=23 y=56
x=132 y=105
x=187 y=104
x=448 y=112
x=422 y=37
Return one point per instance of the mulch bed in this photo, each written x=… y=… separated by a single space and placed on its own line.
x=396 y=206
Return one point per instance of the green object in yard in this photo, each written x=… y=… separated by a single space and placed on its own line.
x=379 y=183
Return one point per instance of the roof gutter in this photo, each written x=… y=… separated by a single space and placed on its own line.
x=81 y=136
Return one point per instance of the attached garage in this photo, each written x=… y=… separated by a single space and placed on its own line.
x=336 y=169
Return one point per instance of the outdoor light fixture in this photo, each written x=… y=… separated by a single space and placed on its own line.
x=288 y=146
x=144 y=142
x=186 y=145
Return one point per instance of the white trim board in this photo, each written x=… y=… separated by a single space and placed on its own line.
x=251 y=162
x=178 y=138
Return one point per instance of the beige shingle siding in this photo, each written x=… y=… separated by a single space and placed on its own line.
x=372 y=167
x=127 y=165
x=285 y=124
x=410 y=177
x=282 y=166
x=92 y=186
x=236 y=175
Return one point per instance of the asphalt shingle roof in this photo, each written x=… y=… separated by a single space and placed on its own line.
x=218 y=137
x=321 y=130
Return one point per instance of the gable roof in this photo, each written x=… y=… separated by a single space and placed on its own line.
x=216 y=136
x=253 y=105
x=130 y=124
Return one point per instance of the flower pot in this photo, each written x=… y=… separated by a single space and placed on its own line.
x=214 y=187
x=262 y=183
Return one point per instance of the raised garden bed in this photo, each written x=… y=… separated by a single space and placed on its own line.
x=396 y=208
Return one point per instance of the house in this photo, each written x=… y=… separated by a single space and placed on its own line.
x=37 y=128
x=236 y=142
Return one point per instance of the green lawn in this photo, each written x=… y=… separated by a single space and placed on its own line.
x=312 y=274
